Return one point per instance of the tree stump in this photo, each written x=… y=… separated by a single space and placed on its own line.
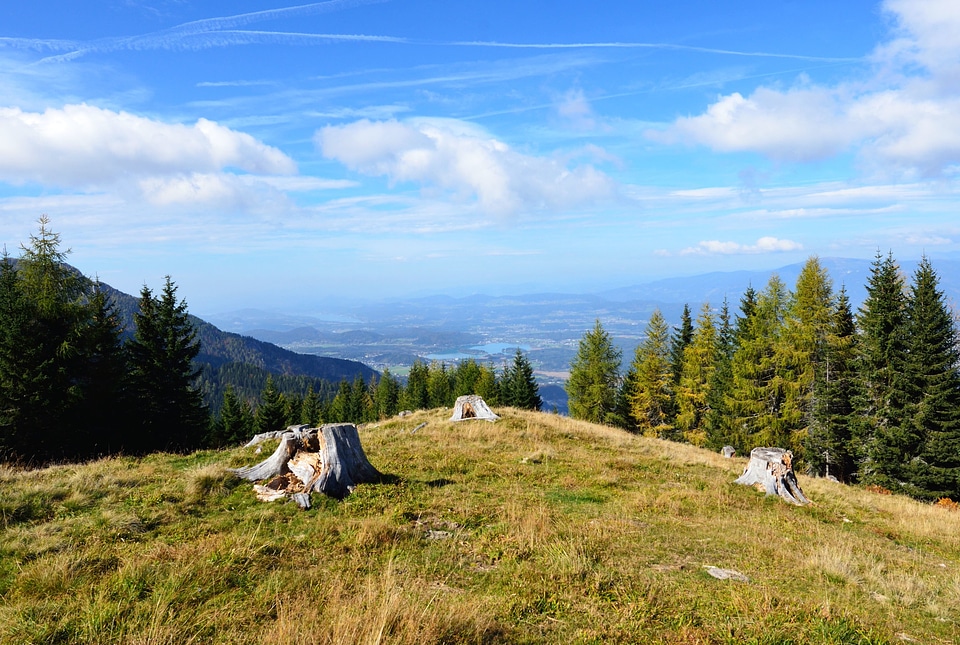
x=771 y=469
x=328 y=460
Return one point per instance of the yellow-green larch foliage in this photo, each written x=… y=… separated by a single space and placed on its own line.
x=699 y=363
x=651 y=392
x=801 y=350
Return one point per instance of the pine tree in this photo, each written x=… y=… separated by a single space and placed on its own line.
x=649 y=384
x=933 y=382
x=699 y=365
x=519 y=387
x=888 y=440
x=171 y=410
x=594 y=377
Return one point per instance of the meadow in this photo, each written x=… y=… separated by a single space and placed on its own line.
x=533 y=529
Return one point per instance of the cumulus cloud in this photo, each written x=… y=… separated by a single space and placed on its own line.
x=763 y=245
x=462 y=159
x=905 y=119
x=82 y=145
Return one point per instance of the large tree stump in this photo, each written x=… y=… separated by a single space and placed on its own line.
x=328 y=460
x=771 y=469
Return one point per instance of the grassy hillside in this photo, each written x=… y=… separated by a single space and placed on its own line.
x=535 y=529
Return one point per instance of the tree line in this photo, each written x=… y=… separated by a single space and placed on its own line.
x=871 y=397
x=75 y=385
x=428 y=385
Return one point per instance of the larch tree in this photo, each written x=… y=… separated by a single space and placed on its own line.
x=594 y=377
x=699 y=365
x=757 y=390
x=649 y=390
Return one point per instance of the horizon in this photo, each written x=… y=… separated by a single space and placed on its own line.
x=263 y=153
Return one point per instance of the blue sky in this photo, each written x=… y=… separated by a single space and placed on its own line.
x=276 y=155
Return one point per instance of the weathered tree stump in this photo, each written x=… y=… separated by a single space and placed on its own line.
x=771 y=469
x=328 y=460
x=728 y=451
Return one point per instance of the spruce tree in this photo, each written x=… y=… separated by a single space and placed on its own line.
x=163 y=376
x=439 y=387
x=933 y=382
x=387 y=395
x=487 y=386
x=649 y=384
x=716 y=423
x=271 y=414
x=594 y=377
x=682 y=337
x=889 y=441
x=519 y=387
x=415 y=395
x=18 y=353
x=465 y=377
x=235 y=425
x=310 y=411
x=831 y=447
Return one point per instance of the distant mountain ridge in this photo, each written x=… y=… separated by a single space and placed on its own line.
x=218 y=348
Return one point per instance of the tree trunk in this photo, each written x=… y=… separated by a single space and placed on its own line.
x=328 y=460
x=771 y=469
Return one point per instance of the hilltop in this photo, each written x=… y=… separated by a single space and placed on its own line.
x=534 y=529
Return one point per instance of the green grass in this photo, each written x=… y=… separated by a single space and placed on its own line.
x=535 y=529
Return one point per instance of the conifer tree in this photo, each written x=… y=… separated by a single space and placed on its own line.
x=103 y=408
x=888 y=440
x=682 y=337
x=465 y=377
x=439 y=387
x=594 y=377
x=18 y=353
x=649 y=383
x=310 y=411
x=236 y=421
x=716 y=423
x=387 y=395
x=519 y=387
x=487 y=386
x=831 y=446
x=757 y=390
x=163 y=377
x=801 y=352
x=699 y=365
x=415 y=395
x=933 y=382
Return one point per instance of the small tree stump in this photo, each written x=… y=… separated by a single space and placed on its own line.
x=728 y=451
x=328 y=460
x=771 y=469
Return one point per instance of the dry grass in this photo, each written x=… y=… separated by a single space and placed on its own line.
x=535 y=529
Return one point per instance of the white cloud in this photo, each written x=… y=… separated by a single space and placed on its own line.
x=904 y=119
x=460 y=158
x=82 y=145
x=763 y=245
x=576 y=109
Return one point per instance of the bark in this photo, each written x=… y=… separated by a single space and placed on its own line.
x=328 y=460
x=771 y=469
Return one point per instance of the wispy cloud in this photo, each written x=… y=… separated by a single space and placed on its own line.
x=763 y=245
